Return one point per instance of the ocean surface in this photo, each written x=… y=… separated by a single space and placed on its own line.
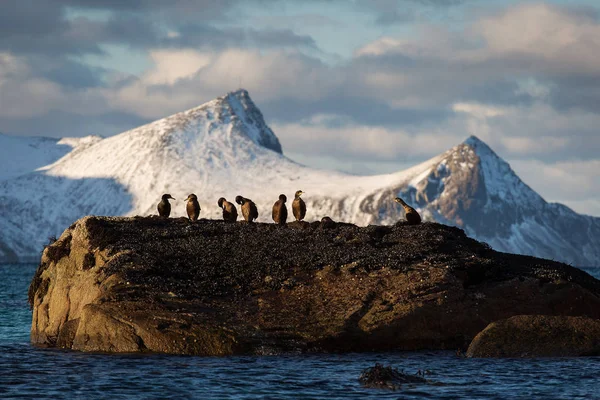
x=30 y=373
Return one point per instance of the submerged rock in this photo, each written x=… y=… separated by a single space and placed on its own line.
x=211 y=288
x=538 y=336
x=380 y=377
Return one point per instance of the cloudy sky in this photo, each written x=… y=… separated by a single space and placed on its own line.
x=365 y=86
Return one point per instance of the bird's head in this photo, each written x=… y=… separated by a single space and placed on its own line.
x=298 y=194
x=191 y=197
x=221 y=201
x=283 y=197
x=240 y=200
x=167 y=196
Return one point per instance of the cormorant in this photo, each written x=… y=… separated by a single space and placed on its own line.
x=164 y=207
x=412 y=216
x=249 y=210
x=280 y=210
x=299 y=206
x=193 y=207
x=229 y=210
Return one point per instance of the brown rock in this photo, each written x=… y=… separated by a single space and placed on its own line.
x=538 y=336
x=212 y=288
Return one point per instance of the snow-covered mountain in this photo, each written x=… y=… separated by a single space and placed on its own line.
x=225 y=148
x=473 y=188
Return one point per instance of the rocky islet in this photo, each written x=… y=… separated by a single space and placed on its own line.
x=147 y=284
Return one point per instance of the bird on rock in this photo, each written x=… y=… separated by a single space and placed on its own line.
x=229 y=211
x=192 y=207
x=164 y=207
x=280 y=210
x=412 y=216
x=299 y=206
x=249 y=210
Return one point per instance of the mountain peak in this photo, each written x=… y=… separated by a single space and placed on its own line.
x=478 y=144
x=238 y=94
x=498 y=177
x=244 y=112
x=484 y=152
x=473 y=140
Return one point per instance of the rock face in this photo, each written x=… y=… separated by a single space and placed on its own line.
x=211 y=288
x=538 y=336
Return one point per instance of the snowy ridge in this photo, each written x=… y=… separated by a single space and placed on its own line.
x=225 y=148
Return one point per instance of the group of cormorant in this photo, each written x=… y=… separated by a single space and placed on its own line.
x=250 y=212
x=230 y=214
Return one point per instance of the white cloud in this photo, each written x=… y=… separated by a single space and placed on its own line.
x=552 y=33
x=381 y=46
x=319 y=135
x=528 y=38
x=172 y=65
x=24 y=94
x=504 y=77
x=478 y=110
x=181 y=79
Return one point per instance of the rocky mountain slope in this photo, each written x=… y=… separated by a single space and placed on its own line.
x=225 y=148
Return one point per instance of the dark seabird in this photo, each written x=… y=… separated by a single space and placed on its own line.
x=229 y=210
x=327 y=223
x=193 y=207
x=280 y=210
x=298 y=206
x=249 y=210
x=412 y=216
x=164 y=207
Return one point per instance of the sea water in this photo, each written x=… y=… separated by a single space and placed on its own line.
x=27 y=372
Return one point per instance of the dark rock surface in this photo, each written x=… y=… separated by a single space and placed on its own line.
x=538 y=336
x=380 y=377
x=211 y=288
